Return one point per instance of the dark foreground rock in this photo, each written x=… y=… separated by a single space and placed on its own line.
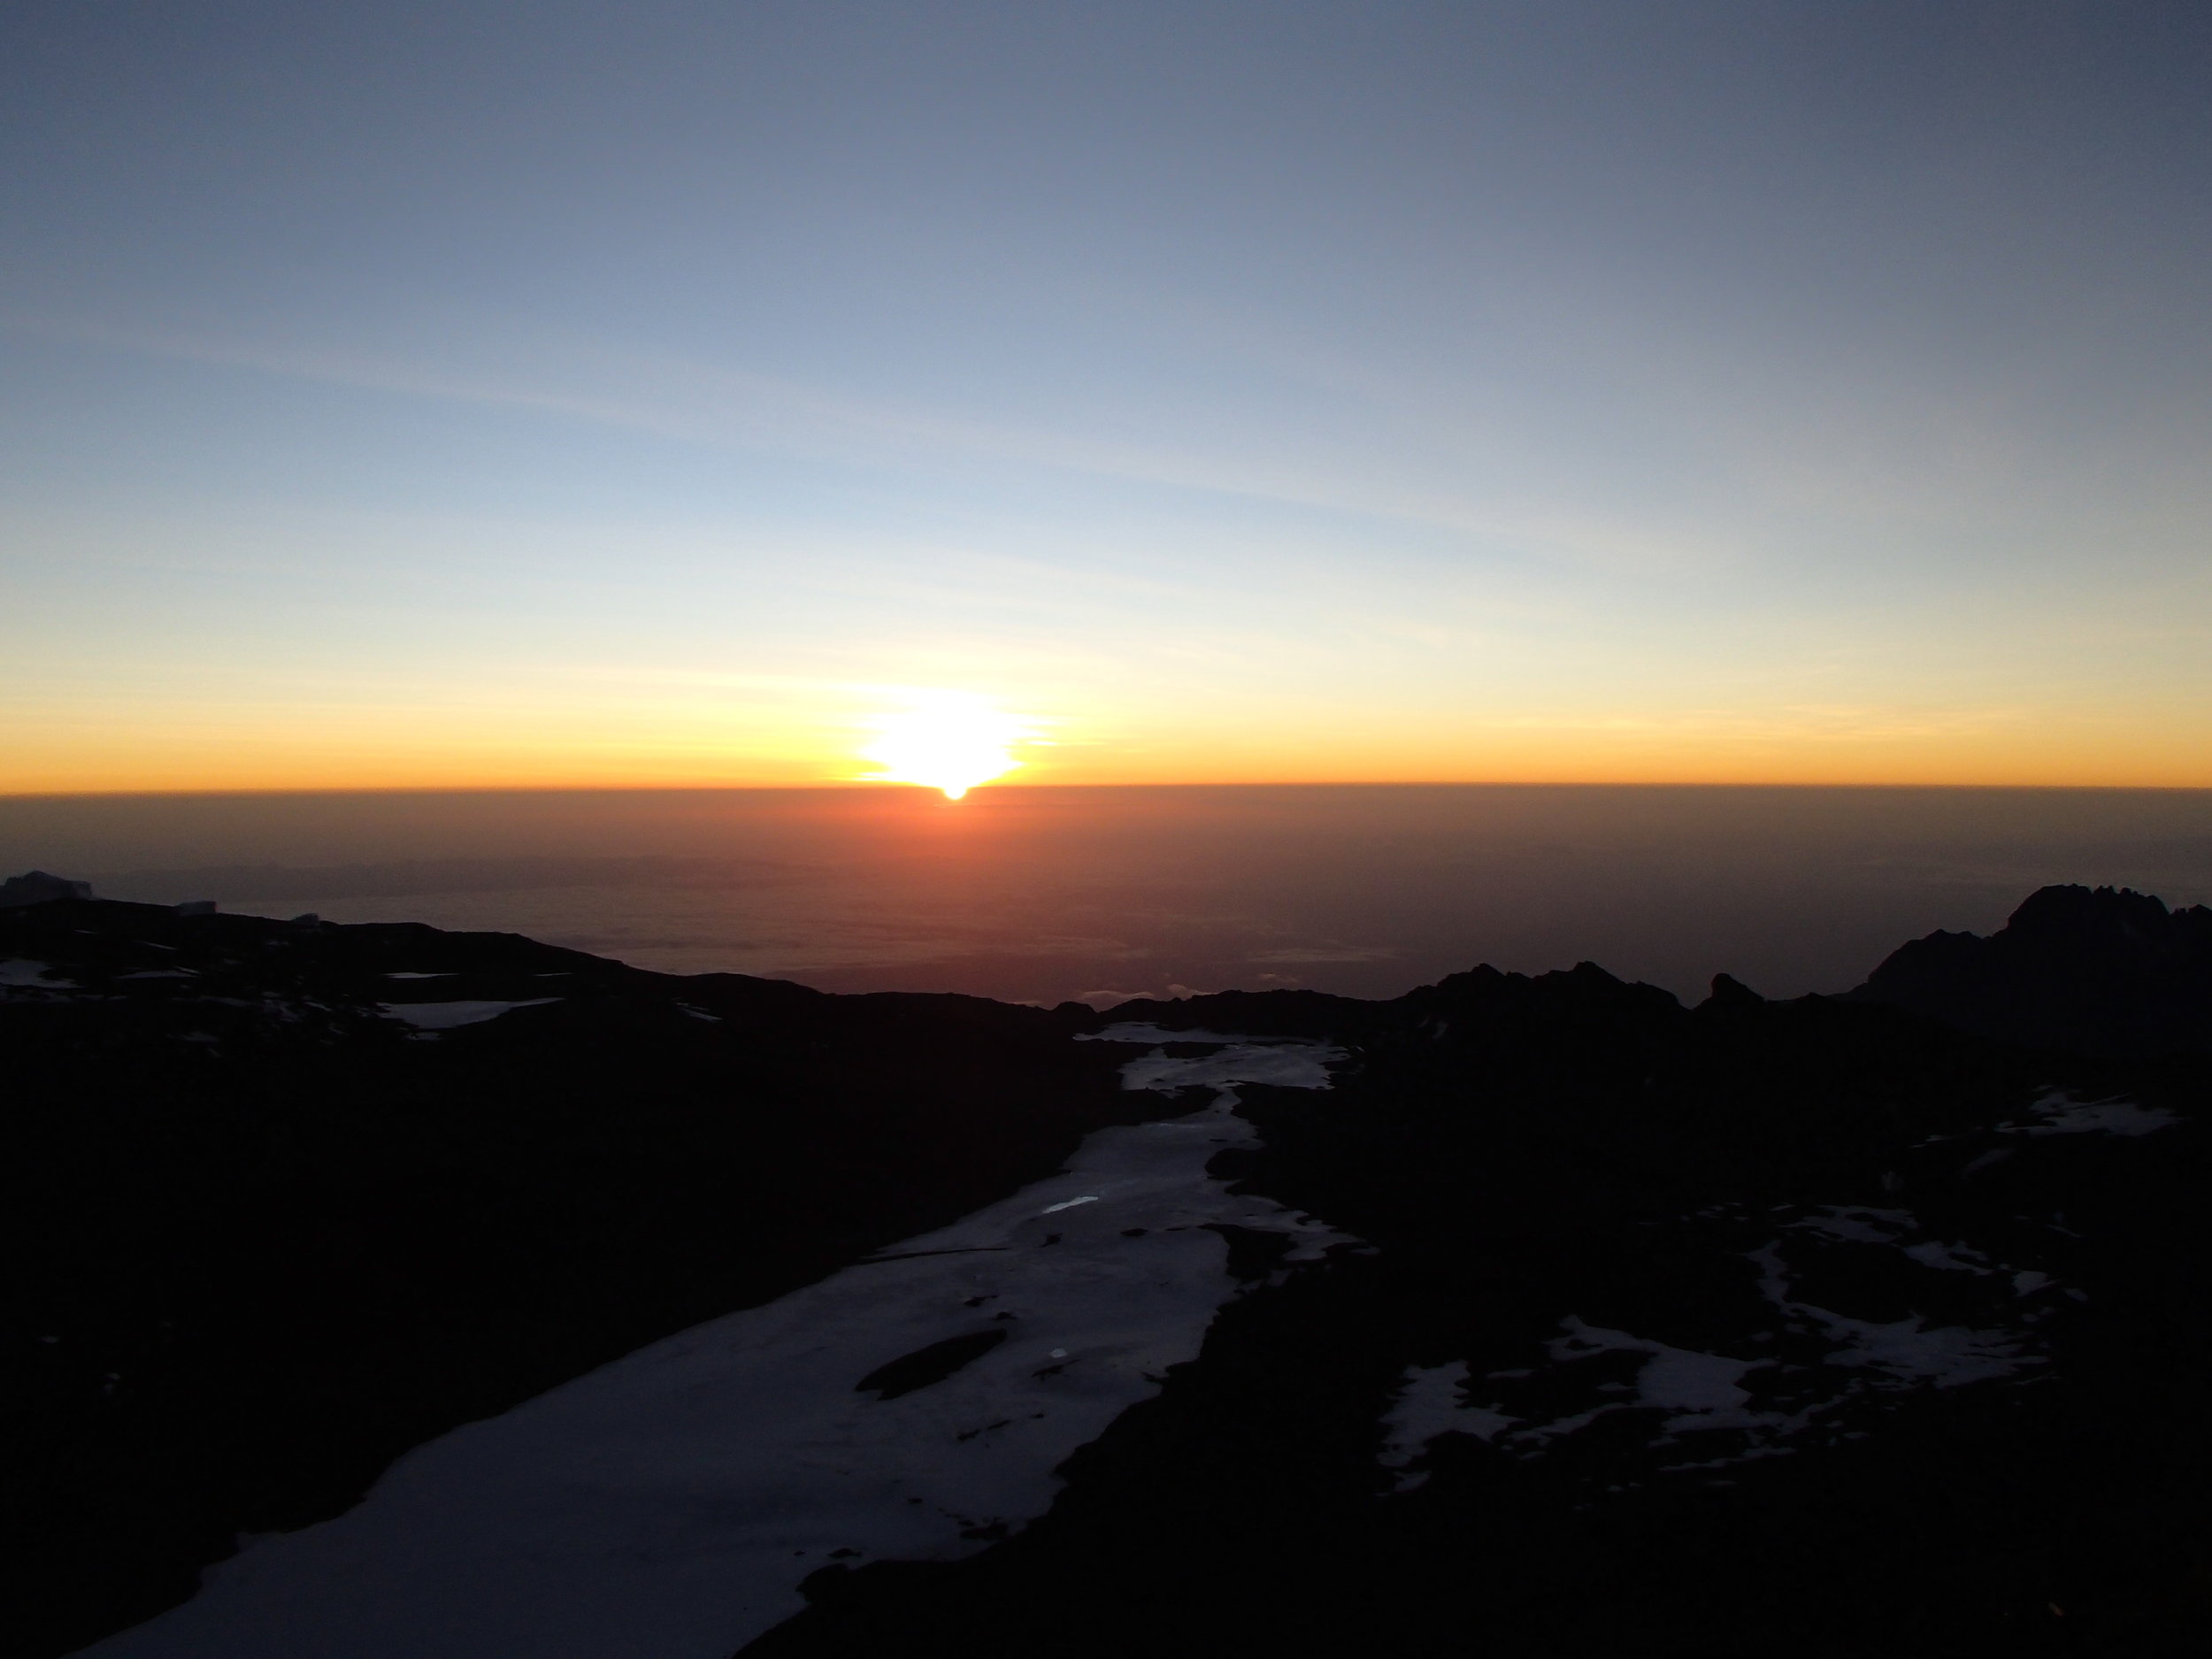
x=1824 y=1327
x=2103 y=971
x=269 y=1216
x=1813 y=1328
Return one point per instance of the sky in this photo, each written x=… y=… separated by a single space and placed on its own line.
x=485 y=394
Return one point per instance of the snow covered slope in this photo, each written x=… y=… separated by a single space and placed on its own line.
x=915 y=1406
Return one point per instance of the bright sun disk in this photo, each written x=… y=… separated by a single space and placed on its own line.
x=947 y=740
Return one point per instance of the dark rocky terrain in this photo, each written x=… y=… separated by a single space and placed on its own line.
x=1842 y=1326
x=1751 y=1328
x=2101 y=971
x=261 y=1236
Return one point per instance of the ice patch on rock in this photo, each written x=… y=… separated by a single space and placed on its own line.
x=2059 y=1113
x=1704 y=1390
x=1908 y=1351
x=1820 y=1363
x=1144 y=1031
x=1856 y=1224
x=670 y=1503
x=1948 y=1258
x=1431 y=1404
x=449 y=1016
x=22 y=971
x=1912 y=1350
x=1284 y=1065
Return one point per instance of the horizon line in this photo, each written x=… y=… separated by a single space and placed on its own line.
x=857 y=787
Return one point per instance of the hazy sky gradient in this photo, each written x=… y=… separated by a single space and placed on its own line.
x=477 y=394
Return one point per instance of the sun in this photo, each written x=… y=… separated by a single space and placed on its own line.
x=948 y=740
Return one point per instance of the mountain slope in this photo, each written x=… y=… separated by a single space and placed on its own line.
x=1823 y=1326
x=2105 y=971
x=281 y=1201
x=1810 y=1327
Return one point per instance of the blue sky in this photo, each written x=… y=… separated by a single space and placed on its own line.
x=556 y=393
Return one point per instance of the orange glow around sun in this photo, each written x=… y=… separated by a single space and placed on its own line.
x=948 y=740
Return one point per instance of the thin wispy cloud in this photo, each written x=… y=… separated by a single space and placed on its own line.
x=698 y=405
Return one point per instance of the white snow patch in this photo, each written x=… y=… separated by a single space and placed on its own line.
x=21 y=971
x=1144 y=1031
x=1913 y=1351
x=669 y=1504
x=1698 y=1392
x=1430 y=1405
x=1287 y=1065
x=1704 y=1390
x=1857 y=1224
x=447 y=1016
x=1950 y=1258
x=2060 y=1114
x=1909 y=1350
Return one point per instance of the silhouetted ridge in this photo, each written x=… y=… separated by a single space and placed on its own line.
x=1284 y=1013
x=2104 y=972
x=35 y=886
x=1730 y=992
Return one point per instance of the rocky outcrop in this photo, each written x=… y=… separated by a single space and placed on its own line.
x=35 y=886
x=1760 y=1327
x=2102 y=970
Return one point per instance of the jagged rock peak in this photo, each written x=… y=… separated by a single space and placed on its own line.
x=2104 y=971
x=2117 y=913
x=1730 y=992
